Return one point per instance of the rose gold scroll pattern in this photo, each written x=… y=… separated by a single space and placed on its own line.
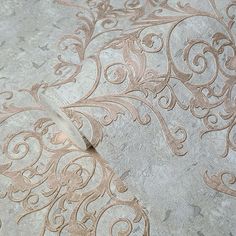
x=134 y=47
x=66 y=183
x=216 y=109
x=139 y=78
x=222 y=182
x=61 y=179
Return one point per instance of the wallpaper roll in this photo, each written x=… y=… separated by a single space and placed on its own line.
x=151 y=87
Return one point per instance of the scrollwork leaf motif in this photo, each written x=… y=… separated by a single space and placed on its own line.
x=133 y=71
x=21 y=149
x=231 y=16
x=204 y=104
x=221 y=181
x=62 y=181
x=62 y=189
x=124 y=232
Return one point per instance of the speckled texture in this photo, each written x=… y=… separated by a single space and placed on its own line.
x=151 y=84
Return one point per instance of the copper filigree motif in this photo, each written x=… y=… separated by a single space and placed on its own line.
x=63 y=183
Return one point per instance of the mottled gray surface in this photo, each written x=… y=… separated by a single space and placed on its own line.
x=170 y=187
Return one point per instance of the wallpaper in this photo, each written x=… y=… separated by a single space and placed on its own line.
x=151 y=85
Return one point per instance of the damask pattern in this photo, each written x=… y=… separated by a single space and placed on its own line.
x=215 y=108
x=206 y=69
x=208 y=72
x=66 y=181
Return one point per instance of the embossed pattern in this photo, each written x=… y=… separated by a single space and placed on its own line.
x=135 y=45
x=65 y=184
x=123 y=58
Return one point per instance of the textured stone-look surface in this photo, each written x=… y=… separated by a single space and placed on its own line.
x=151 y=84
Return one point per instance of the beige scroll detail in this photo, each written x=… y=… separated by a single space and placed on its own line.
x=220 y=182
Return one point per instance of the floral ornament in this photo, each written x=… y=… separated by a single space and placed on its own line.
x=59 y=177
x=135 y=46
x=221 y=182
x=216 y=109
x=47 y=173
x=65 y=181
